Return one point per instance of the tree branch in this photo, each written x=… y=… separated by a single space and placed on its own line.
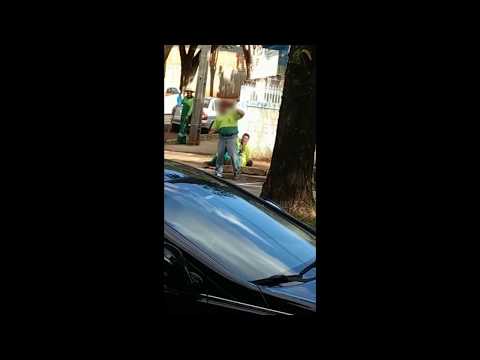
x=248 y=59
x=182 y=51
x=191 y=50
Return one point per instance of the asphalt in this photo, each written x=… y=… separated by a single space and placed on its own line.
x=253 y=187
x=250 y=183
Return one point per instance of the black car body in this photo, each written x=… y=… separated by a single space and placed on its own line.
x=227 y=251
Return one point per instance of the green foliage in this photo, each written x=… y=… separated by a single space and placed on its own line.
x=301 y=55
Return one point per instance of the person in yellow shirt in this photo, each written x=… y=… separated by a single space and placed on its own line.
x=244 y=151
x=226 y=125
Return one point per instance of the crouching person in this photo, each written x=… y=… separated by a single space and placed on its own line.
x=244 y=151
x=244 y=157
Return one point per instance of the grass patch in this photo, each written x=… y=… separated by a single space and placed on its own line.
x=309 y=217
x=312 y=221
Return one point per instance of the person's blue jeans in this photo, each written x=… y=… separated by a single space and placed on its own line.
x=230 y=144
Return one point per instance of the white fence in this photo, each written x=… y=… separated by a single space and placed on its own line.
x=261 y=102
x=267 y=96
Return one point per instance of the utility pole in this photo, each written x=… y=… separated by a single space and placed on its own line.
x=195 y=126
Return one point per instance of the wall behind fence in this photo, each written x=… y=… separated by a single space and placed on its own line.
x=261 y=124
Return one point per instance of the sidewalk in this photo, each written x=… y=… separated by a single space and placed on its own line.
x=200 y=161
x=198 y=155
x=206 y=147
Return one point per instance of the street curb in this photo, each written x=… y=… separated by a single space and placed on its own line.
x=245 y=170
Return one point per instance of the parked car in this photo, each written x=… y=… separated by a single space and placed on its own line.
x=170 y=99
x=208 y=116
x=228 y=251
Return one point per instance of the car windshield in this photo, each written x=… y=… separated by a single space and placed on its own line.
x=206 y=102
x=239 y=232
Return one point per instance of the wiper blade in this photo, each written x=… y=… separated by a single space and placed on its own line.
x=311 y=266
x=280 y=279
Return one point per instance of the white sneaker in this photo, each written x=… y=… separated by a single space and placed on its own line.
x=217 y=174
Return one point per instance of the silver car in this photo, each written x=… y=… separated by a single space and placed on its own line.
x=209 y=113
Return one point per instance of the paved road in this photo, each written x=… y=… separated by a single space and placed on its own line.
x=252 y=184
x=256 y=187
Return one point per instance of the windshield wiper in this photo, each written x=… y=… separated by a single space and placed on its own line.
x=311 y=266
x=281 y=279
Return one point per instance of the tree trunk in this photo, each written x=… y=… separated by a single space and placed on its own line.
x=289 y=181
x=248 y=58
x=189 y=64
x=213 y=66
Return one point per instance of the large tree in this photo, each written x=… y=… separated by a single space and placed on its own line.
x=289 y=181
x=189 y=61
